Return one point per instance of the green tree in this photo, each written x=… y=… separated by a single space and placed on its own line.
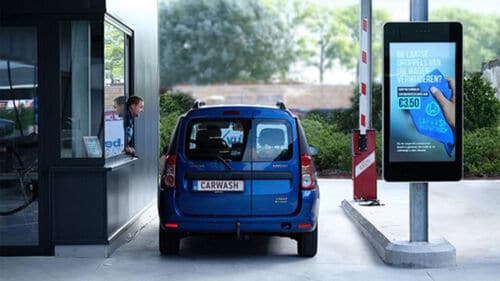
x=203 y=41
x=481 y=39
x=326 y=36
x=319 y=36
x=345 y=31
x=481 y=107
x=298 y=17
x=172 y=105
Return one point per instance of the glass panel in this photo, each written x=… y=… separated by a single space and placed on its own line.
x=77 y=140
x=114 y=89
x=273 y=142
x=18 y=137
x=216 y=138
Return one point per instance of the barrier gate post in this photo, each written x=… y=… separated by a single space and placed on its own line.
x=364 y=169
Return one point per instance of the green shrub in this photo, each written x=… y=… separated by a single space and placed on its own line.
x=376 y=107
x=334 y=155
x=171 y=101
x=347 y=119
x=482 y=152
x=167 y=125
x=335 y=148
x=481 y=107
x=172 y=105
x=331 y=131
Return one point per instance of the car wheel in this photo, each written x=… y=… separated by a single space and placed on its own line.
x=307 y=243
x=169 y=243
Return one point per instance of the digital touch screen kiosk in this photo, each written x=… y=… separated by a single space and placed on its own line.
x=422 y=101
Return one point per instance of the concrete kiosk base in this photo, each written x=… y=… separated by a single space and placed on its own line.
x=387 y=233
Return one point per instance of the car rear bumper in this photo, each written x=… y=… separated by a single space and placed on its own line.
x=305 y=220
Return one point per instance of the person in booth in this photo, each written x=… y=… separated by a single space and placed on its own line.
x=119 y=105
x=135 y=105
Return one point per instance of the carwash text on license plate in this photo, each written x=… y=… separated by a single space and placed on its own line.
x=218 y=185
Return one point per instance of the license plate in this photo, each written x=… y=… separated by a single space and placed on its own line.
x=219 y=185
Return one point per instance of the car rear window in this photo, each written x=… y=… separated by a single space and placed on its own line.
x=209 y=138
x=274 y=141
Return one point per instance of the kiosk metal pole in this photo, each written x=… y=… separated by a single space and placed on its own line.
x=419 y=214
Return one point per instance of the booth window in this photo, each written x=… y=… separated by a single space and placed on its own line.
x=117 y=42
x=89 y=127
x=80 y=100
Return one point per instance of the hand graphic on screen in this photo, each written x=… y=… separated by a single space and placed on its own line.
x=447 y=106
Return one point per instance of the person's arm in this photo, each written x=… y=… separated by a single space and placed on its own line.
x=129 y=135
x=130 y=150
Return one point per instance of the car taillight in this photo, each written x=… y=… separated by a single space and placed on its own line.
x=307 y=172
x=169 y=178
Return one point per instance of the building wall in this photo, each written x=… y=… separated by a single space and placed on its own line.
x=137 y=187
x=491 y=71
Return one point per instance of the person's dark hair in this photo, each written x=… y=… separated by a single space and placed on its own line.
x=134 y=100
x=121 y=100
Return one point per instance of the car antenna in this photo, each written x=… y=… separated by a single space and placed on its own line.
x=198 y=104
x=281 y=105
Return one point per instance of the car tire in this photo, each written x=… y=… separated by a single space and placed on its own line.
x=169 y=243
x=307 y=243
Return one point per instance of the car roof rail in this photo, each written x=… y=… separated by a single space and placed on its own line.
x=198 y=104
x=281 y=105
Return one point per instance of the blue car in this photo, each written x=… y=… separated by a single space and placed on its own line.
x=242 y=170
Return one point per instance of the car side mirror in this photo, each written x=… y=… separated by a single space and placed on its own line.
x=313 y=150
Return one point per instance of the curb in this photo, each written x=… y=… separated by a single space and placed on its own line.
x=436 y=253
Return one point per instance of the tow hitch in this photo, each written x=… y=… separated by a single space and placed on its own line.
x=238 y=230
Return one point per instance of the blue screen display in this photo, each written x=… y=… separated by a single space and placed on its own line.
x=422 y=104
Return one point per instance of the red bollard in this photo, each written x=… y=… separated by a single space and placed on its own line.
x=364 y=168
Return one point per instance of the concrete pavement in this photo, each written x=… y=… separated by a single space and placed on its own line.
x=467 y=214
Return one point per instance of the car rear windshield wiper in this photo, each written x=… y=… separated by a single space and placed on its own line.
x=224 y=161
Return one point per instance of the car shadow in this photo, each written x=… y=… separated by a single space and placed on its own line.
x=225 y=246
